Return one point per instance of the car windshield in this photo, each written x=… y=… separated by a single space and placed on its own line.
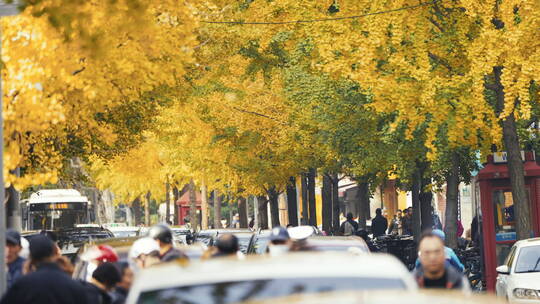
x=528 y=260
x=121 y=234
x=256 y=290
x=243 y=241
x=261 y=243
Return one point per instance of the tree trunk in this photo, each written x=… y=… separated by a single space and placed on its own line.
x=193 y=217
x=451 y=213
x=136 y=207
x=327 y=203
x=426 y=197
x=147 y=209
x=362 y=196
x=167 y=203
x=176 y=196
x=217 y=210
x=292 y=204
x=335 y=203
x=204 y=206
x=273 y=196
x=416 y=227
x=242 y=212
x=305 y=205
x=13 y=212
x=311 y=197
x=515 y=164
x=263 y=212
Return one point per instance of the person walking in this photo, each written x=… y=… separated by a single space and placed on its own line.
x=163 y=235
x=104 y=280
x=450 y=256
x=349 y=227
x=407 y=222
x=435 y=272
x=395 y=225
x=379 y=224
x=14 y=260
x=48 y=284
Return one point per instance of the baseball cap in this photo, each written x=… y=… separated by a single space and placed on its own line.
x=279 y=233
x=13 y=237
x=41 y=247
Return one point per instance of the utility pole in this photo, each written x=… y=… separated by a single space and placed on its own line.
x=6 y=9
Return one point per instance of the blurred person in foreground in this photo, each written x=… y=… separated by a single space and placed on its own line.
x=435 y=272
x=14 y=260
x=120 y=293
x=104 y=280
x=48 y=284
x=144 y=253
x=96 y=256
x=163 y=235
x=450 y=256
x=226 y=245
x=280 y=241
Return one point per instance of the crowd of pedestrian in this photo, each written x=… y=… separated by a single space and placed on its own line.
x=46 y=276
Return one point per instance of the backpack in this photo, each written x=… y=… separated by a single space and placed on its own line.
x=348 y=229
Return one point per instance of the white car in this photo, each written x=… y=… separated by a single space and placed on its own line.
x=125 y=231
x=256 y=278
x=518 y=279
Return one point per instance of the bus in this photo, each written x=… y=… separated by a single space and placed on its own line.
x=55 y=209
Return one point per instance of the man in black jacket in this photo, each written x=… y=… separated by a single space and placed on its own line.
x=48 y=284
x=379 y=224
x=104 y=280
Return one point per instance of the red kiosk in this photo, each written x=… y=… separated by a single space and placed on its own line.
x=183 y=206
x=497 y=209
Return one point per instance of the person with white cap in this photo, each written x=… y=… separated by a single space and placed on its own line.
x=143 y=253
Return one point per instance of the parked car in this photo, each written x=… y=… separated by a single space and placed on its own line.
x=259 y=242
x=263 y=277
x=182 y=235
x=210 y=236
x=518 y=278
x=335 y=243
x=125 y=231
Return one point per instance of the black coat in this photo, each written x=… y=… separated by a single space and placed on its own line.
x=379 y=225
x=95 y=295
x=47 y=285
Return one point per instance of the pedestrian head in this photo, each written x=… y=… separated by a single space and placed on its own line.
x=398 y=212
x=378 y=211
x=227 y=244
x=431 y=253
x=13 y=244
x=127 y=275
x=42 y=249
x=440 y=233
x=108 y=275
x=280 y=241
x=349 y=216
x=161 y=233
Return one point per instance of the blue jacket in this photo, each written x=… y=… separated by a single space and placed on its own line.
x=15 y=270
x=451 y=260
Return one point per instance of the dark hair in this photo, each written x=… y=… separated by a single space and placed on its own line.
x=107 y=274
x=378 y=211
x=429 y=234
x=41 y=248
x=227 y=243
x=349 y=216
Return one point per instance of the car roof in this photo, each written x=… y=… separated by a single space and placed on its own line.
x=528 y=242
x=124 y=228
x=294 y=265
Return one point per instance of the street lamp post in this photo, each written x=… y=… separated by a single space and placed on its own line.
x=6 y=9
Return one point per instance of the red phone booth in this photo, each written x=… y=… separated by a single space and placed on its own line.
x=183 y=206
x=497 y=209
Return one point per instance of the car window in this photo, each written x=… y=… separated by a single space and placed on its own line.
x=205 y=239
x=528 y=260
x=256 y=290
x=243 y=242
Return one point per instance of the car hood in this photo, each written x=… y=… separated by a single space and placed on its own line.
x=529 y=280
